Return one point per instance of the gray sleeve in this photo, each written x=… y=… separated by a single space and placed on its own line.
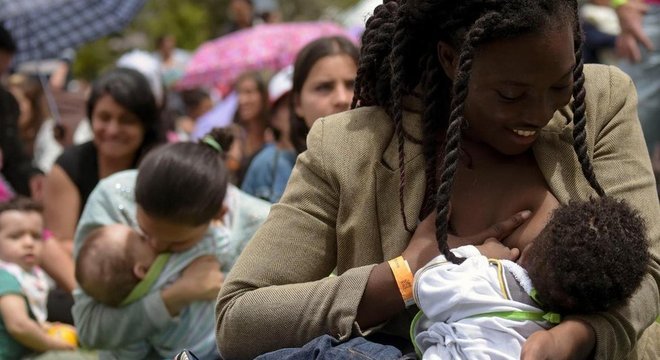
x=104 y=327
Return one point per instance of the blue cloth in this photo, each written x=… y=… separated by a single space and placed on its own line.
x=328 y=348
x=269 y=172
x=646 y=77
x=594 y=41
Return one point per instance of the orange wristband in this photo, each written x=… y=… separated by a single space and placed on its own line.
x=404 y=279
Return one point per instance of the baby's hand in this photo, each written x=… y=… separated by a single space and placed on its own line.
x=494 y=249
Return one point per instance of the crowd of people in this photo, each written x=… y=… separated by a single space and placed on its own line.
x=458 y=185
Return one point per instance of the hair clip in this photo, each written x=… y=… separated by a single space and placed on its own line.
x=210 y=141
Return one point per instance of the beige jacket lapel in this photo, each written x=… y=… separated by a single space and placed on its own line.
x=551 y=149
x=394 y=238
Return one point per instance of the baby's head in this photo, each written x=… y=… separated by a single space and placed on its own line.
x=590 y=257
x=111 y=262
x=21 y=228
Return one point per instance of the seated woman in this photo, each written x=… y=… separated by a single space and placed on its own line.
x=192 y=220
x=252 y=117
x=33 y=112
x=321 y=85
x=486 y=104
x=123 y=115
x=124 y=119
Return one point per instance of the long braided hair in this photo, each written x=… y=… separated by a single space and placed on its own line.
x=399 y=55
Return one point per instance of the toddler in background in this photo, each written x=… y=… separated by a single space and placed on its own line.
x=590 y=257
x=23 y=285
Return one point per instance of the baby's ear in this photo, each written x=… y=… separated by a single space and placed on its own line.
x=140 y=270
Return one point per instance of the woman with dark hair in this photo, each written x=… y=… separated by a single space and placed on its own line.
x=33 y=111
x=321 y=85
x=484 y=103
x=323 y=79
x=251 y=115
x=124 y=120
x=179 y=200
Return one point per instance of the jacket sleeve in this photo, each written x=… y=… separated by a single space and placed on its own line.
x=622 y=166
x=281 y=282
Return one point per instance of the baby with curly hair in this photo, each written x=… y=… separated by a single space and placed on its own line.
x=590 y=257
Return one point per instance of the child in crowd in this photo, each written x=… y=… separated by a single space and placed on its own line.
x=488 y=308
x=196 y=102
x=23 y=285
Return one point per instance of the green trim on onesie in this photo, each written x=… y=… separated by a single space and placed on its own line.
x=143 y=287
x=413 y=332
x=551 y=317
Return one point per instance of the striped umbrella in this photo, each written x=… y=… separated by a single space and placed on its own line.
x=13 y=8
x=45 y=32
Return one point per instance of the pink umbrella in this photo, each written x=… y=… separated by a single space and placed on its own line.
x=219 y=62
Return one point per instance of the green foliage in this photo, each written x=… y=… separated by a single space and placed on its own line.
x=191 y=21
x=187 y=21
x=92 y=58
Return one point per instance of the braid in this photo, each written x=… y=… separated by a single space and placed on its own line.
x=435 y=105
x=376 y=45
x=399 y=54
x=580 y=119
x=398 y=87
x=456 y=124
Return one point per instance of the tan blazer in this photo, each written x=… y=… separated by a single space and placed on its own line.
x=341 y=210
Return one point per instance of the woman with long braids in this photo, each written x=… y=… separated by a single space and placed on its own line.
x=474 y=119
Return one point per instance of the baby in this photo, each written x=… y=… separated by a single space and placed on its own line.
x=116 y=265
x=23 y=285
x=590 y=257
x=112 y=262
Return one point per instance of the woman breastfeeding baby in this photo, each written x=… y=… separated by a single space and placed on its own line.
x=151 y=248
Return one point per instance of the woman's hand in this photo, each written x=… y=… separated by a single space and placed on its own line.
x=571 y=339
x=204 y=278
x=423 y=246
x=200 y=281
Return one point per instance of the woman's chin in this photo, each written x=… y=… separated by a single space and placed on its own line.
x=114 y=153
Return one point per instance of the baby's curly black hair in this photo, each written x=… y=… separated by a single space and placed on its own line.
x=590 y=257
